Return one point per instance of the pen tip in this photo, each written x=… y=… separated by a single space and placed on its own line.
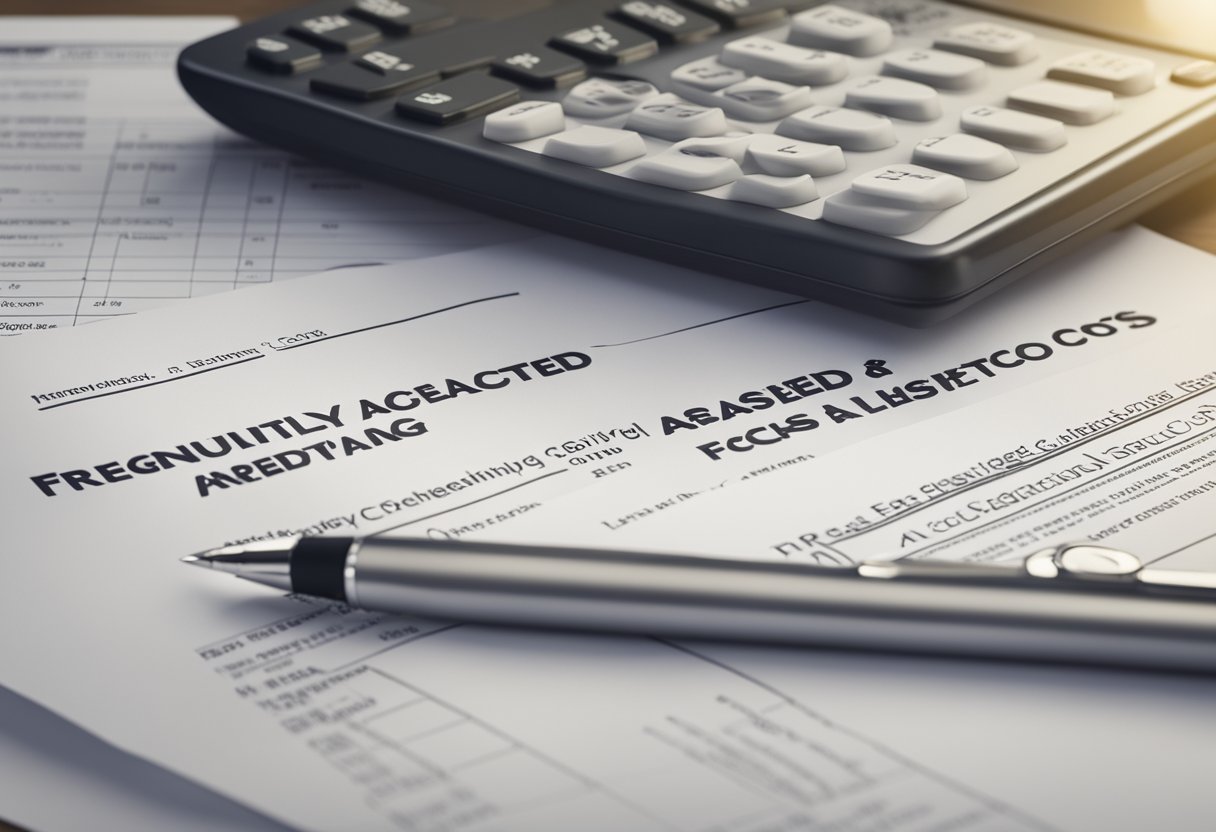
x=197 y=560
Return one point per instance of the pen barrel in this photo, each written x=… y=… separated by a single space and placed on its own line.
x=672 y=595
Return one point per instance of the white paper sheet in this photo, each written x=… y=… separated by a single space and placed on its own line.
x=59 y=778
x=119 y=194
x=327 y=718
x=1117 y=451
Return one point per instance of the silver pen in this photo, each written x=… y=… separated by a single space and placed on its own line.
x=1074 y=603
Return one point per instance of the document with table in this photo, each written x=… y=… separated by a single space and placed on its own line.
x=119 y=194
x=359 y=401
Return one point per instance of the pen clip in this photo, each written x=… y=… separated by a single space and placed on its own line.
x=1076 y=563
x=1067 y=562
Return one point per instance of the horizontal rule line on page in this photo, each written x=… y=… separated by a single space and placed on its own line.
x=394 y=323
x=474 y=502
x=151 y=383
x=1042 y=457
x=704 y=324
x=1055 y=495
x=1190 y=545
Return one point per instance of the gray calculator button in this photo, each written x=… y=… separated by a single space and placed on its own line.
x=412 y=17
x=1123 y=74
x=603 y=97
x=841 y=30
x=1070 y=103
x=705 y=76
x=668 y=117
x=541 y=67
x=942 y=70
x=457 y=99
x=739 y=14
x=524 y=121
x=773 y=191
x=666 y=22
x=759 y=99
x=1023 y=131
x=857 y=211
x=895 y=97
x=596 y=147
x=335 y=32
x=1195 y=74
x=780 y=156
x=282 y=54
x=911 y=186
x=850 y=129
x=686 y=171
x=730 y=147
x=990 y=42
x=606 y=42
x=783 y=62
x=964 y=155
x=358 y=83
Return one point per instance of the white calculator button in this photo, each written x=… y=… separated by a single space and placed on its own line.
x=774 y=191
x=524 y=121
x=686 y=171
x=596 y=147
x=964 y=155
x=850 y=129
x=990 y=42
x=759 y=99
x=943 y=70
x=895 y=97
x=1123 y=74
x=783 y=62
x=668 y=117
x=842 y=30
x=780 y=156
x=911 y=186
x=730 y=147
x=1009 y=127
x=603 y=97
x=856 y=211
x=707 y=75
x=1070 y=103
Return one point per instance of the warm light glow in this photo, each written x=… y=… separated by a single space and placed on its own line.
x=1180 y=16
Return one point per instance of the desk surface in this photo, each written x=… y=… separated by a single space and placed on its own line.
x=1189 y=217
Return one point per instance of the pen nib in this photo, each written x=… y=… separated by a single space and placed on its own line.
x=267 y=562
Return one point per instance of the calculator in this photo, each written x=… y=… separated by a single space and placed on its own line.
x=903 y=158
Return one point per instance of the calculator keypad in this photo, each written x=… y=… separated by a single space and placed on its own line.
x=881 y=115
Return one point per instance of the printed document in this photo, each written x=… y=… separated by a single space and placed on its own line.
x=458 y=395
x=1118 y=452
x=118 y=194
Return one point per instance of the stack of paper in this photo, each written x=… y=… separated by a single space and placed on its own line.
x=548 y=391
